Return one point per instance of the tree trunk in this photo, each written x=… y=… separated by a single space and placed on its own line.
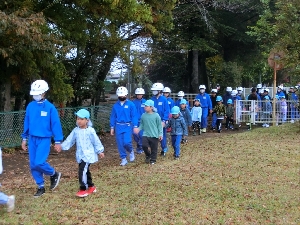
x=195 y=71
x=202 y=72
x=105 y=67
x=5 y=104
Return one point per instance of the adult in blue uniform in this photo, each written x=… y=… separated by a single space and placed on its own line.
x=167 y=92
x=122 y=118
x=41 y=122
x=139 y=103
x=227 y=95
x=205 y=105
x=163 y=110
x=180 y=95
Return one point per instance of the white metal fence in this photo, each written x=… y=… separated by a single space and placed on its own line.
x=262 y=112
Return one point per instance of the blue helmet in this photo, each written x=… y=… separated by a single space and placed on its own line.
x=183 y=101
x=229 y=101
x=219 y=99
x=83 y=113
x=175 y=110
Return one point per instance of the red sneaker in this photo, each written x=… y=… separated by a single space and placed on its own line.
x=82 y=194
x=91 y=190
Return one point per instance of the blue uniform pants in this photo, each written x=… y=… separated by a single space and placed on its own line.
x=3 y=198
x=123 y=134
x=163 y=142
x=176 y=139
x=39 y=149
x=294 y=113
x=204 y=118
x=214 y=120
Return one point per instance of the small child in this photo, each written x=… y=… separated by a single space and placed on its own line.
x=220 y=111
x=41 y=123
x=150 y=123
x=88 y=147
x=266 y=110
x=9 y=201
x=196 y=113
x=229 y=115
x=186 y=114
x=178 y=130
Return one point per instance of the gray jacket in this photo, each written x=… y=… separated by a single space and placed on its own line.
x=178 y=126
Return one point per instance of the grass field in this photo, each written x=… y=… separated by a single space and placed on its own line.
x=242 y=178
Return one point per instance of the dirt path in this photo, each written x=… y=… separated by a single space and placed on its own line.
x=16 y=172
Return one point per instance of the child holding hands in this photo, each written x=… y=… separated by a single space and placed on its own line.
x=88 y=147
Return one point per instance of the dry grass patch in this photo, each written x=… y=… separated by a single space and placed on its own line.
x=245 y=178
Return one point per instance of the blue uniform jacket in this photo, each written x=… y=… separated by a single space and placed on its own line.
x=177 y=102
x=140 y=107
x=186 y=114
x=204 y=100
x=42 y=120
x=125 y=113
x=170 y=102
x=178 y=126
x=162 y=106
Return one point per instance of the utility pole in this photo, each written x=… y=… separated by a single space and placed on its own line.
x=128 y=74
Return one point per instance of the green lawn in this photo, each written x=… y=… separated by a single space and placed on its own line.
x=241 y=178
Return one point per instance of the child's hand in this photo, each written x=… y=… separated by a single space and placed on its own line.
x=101 y=155
x=23 y=145
x=160 y=138
x=112 y=131
x=163 y=124
x=57 y=147
x=136 y=130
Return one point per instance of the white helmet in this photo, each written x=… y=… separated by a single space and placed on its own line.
x=229 y=89
x=267 y=90
x=139 y=91
x=259 y=86
x=39 y=87
x=122 y=91
x=202 y=86
x=261 y=91
x=157 y=87
x=214 y=90
x=167 y=90
x=239 y=89
x=234 y=93
x=180 y=94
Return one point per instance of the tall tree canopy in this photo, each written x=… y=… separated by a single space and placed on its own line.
x=37 y=34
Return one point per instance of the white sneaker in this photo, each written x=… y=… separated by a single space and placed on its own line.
x=123 y=162
x=267 y=125
x=10 y=203
x=131 y=156
x=292 y=121
x=204 y=130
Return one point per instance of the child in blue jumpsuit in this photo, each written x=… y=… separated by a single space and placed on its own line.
x=163 y=110
x=41 y=122
x=205 y=105
x=88 y=147
x=180 y=95
x=9 y=201
x=122 y=118
x=139 y=103
x=167 y=92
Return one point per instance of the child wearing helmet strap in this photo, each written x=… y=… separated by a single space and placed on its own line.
x=40 y=124
x=220 y=110
x=122 y=118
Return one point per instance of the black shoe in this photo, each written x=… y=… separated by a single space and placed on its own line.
x=147 y=160
x=219 y=131
x=152 y=162
x=163 y=153
x=54 y=180
x=39 y=192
